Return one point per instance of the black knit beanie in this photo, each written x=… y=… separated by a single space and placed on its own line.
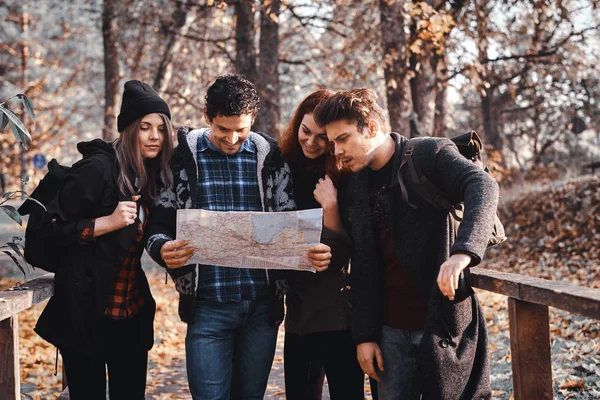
x=139 y=99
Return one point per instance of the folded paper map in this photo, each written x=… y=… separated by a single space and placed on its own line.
x=249 y=239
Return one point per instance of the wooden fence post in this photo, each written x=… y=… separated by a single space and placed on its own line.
x=530 y=350
x=10 y=379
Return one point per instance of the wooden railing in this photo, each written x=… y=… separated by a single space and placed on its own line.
x=11 y=303
x=528 y=302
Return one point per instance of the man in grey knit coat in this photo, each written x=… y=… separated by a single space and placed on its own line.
x=418 y=327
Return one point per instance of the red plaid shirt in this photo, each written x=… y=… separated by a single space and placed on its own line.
x=124 y=298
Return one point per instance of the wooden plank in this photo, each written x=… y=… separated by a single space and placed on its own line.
x=530 y=350
x=14 y=301
x=64 y=395
x=10 y=379
x=64 y=375
x=575 y=299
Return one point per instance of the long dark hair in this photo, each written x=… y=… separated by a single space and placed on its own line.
x=132 y=165
x=289 y=143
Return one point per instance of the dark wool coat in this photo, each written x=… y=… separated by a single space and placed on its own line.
x=275 y=184
x=453 y=352
x=88 y=270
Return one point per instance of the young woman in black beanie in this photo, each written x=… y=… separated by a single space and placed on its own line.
x=102 y=312
x=317 y=324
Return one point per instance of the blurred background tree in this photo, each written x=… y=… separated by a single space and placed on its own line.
x=522 y=73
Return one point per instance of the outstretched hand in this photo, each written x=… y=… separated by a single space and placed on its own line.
x=450 y=272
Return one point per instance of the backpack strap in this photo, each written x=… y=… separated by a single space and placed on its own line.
x=406 y=155
x=427 y=190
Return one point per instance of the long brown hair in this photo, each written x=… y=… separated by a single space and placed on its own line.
x=132 y=165
x=289 y=143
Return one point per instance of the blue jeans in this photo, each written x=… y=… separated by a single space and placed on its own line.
x=399 y=348
x=229 y=350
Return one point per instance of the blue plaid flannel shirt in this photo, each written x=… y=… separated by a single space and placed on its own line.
x=229 y=183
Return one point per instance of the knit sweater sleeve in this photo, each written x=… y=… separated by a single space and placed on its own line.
x=283 y=188
x=162 y=219
x=462 y=181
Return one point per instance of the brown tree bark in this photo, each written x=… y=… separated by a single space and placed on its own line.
x=394 y=64
x=111 y=69
x=268 y=82
x=183 y=19
x=245 y=34
x=429 y=70
x=24 y=57
x=490 y=121
x=439 y=125
x=423 y=93
x=439 y=119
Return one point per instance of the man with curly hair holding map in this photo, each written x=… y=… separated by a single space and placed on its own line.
x=232 y=313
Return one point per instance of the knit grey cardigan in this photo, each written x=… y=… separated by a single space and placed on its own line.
x=453 y=352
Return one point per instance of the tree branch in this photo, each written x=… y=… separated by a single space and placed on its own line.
x=542 y=53
x=187 y=100
x=215 y=42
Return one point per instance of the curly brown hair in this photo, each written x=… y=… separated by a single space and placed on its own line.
x=232 y=95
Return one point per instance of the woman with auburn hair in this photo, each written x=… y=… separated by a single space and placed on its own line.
x=317 y=324
x=102 y=311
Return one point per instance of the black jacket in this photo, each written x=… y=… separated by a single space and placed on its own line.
x=87 y=271
x=453 y=352
x=314 y=302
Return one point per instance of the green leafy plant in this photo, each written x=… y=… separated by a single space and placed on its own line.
x=8 y=117
x=14 y=248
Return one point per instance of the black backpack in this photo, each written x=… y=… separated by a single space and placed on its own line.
x=470 y=146
x=42 y=245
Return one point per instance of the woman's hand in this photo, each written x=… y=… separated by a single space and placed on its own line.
x=124 y=214
x=175 y=253
x=326 y=193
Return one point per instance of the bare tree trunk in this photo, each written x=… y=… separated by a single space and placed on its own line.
x=111 y=69
x=439 y=119
x=492 y=135
x=183 y=19
x=422 y=89
x=268 y=117
x=490 y=121
x=245 y=34
x=394 y=64
x=24 y=56
x=439 y=125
